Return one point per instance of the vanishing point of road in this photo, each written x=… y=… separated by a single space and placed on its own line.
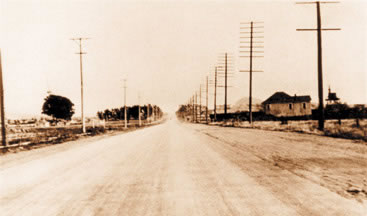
x=185 y=169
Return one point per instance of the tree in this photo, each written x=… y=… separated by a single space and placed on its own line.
x=337 y=111
x=58 y=107
x=100 y=115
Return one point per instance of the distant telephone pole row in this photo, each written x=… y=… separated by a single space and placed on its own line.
x=251 y=47
x=194 y=105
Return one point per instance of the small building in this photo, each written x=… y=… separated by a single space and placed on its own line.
x=332 y=98
x=281 y=104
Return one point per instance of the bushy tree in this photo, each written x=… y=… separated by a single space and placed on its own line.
x=131 y=112
x=58 y=107
x=100 y=115
x=337 y=111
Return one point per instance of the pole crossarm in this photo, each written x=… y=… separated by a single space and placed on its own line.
x=252 y=27
x=251 y=22
x=252 y=51
x=321 y=2
x=256 y=32
x=251 y=42
x=252 y=47
x=323 y=29
x=80 y=38
x=254 y=37
x=256 y=71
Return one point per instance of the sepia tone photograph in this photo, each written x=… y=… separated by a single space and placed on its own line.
x=183 y=107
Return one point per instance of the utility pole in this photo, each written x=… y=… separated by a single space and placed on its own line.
x=319 y=57
x=200 y=104
x=193 y=109
x=206 y=104
x=148 y=113
x=224 y=72
x=139 y=110
x=125 y=111
x=81 y=53
x=153 y=111
x=215 y=94
x=196 y=108
x=251 y=56
x=3 y=128
x=225 y=86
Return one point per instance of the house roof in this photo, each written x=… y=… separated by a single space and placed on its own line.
x=332 y=97
x=282 y=97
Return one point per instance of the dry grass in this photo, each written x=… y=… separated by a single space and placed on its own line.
x=348 y=128
x=27 y=137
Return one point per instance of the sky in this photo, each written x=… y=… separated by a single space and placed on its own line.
x=165 y=49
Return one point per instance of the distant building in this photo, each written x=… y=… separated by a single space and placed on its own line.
x=332 y=98
x=281 y=104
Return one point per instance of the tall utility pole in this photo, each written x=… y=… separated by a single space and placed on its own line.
x=215 y=94
x=125 y=111
x=196 y=108
x=3 y=128
x=251 y=55
x=193 y=109
x=225 y=85
x=153 y=111
x=206 y=100
x=148 y=113
x=319 y=57
x=224 y=72
x=81 y=53
x=139 y=110
x=200 y=104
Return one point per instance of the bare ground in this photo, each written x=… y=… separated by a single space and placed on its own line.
x=337 y=164
x=185 y=169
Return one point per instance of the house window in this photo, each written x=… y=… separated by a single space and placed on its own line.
x=268 y=107
x=304 y=105
x=290 y=106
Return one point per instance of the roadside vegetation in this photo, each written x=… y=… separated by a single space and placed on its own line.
x=346 y=128
x=59 y=126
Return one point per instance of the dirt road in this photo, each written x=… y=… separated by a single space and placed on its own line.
x=184 y=169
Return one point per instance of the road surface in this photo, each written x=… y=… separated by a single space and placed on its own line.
x=183 y=169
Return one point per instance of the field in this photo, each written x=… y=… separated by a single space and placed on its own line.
x=347 y=129
x=29 y=136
